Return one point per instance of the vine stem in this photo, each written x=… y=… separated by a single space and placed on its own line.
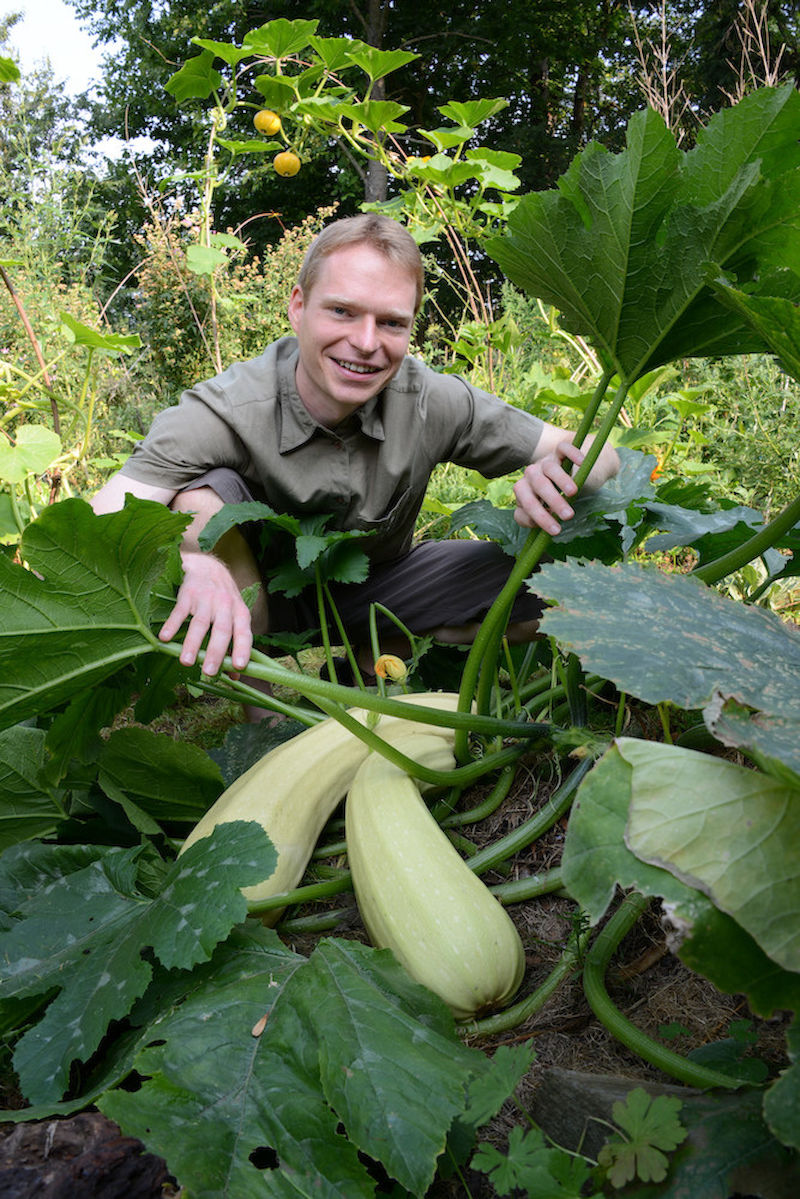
x=443 y=812
x=23 y=316
x=462 y=775
x=518 y=1013
x=325 y=694
x=484 y=649
x=558 y=803
x=633 y=906
x=754 y=547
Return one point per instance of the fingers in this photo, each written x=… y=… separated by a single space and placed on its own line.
x=210 y=600
x=541 y=492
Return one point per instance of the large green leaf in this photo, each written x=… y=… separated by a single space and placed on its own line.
x=596 y=860
x=279 y=38
x=782 y=1102
x=166 y=778
x=196 y=79
x=93 y=339
x=9 y=71
x=28 y=806
x=85 y=604
x=668 y=637
x=83 y=930
x=35 y=449
x=243 y=1107
x=624 y=245
x=725 y=830
x=776 y=319
x=378 y=63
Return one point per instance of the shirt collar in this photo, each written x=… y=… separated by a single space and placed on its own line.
x=297 y=424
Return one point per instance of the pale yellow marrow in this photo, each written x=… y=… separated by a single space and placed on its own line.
x=419 y=898
x=295 y=788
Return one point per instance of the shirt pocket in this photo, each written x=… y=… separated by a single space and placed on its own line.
x=394 y=530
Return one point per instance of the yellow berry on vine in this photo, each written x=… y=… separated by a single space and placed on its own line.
x=267 y=121
x=286 y=163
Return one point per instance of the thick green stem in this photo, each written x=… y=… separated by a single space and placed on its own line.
x=633 y=906
x=307 y=894
x=462 y=775
x=483 y=654
x=520 y=890
x=753 y=548
x=262 y=667
x=443 y=813
x=320 y=922
x=238 y=690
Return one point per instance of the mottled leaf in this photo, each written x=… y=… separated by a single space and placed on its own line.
x=83 y=935
x=665 y=636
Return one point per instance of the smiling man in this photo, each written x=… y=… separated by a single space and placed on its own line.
x=340 y=419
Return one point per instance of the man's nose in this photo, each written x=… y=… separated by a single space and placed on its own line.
x=364 y=334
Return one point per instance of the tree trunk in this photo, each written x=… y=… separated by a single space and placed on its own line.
x=376 y=182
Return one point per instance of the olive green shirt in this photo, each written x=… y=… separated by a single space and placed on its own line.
x=371 y=471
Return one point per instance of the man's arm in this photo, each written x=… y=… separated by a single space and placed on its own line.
x=541 y=492
x=111 y=496
x=208 y=597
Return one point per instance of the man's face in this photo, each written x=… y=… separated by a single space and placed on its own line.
x=353 y=329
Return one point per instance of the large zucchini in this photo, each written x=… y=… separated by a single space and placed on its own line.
x=295 y=788
x=419 y=898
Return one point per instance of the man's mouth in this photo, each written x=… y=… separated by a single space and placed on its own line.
x=358 y=368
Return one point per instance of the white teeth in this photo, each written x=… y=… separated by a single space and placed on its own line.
x=360 y=368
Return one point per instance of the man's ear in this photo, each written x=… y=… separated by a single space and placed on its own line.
x=295 y=308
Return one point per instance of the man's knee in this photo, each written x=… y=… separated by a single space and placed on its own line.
x=198 y=500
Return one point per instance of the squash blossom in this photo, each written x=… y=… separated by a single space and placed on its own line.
x=389 y=666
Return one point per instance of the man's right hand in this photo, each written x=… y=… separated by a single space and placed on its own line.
x=212 y=603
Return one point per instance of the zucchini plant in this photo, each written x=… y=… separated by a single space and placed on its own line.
x=123 y=959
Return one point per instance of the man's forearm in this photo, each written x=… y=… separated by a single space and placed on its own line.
x=111 y=496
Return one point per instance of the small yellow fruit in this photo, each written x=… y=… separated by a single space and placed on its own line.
x=267 y=121
x=286 y=163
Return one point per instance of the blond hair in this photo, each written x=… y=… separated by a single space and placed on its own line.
x=386 y=236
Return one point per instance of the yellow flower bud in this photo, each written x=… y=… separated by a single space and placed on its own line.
x=389 y=666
